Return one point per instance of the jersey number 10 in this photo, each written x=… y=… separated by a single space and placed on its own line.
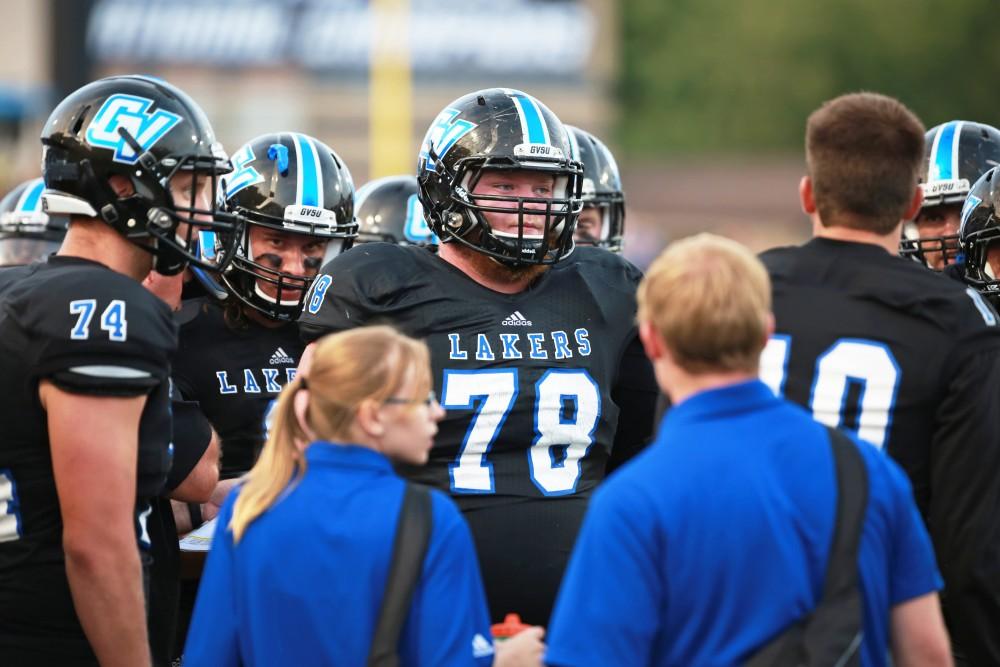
x=864 y=363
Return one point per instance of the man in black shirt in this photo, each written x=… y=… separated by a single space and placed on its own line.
x=84 y=366
x=533 y=343
x=877 y=345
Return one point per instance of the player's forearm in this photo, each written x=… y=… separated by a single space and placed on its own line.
x=106 y=582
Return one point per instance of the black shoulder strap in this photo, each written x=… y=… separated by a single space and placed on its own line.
x=831 y=633
x=413 y=532
x=852 y=501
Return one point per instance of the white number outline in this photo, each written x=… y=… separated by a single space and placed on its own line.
x=484 y=391
x=10 y=505
x=779 y=346
x=85 y=309
x=471 y=460
x=576 y=451
x=117 y=330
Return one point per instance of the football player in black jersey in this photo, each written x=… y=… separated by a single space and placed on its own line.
x=956 y=154
x=533 y=342
x=297 y=197
x=602 y=220
x=27 y=233
x=388 y=209
x=979 y=235
x=84 y=362
x=875 y=344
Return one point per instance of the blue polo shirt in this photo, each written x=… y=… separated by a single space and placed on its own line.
x=305 y=583
x=717 y=536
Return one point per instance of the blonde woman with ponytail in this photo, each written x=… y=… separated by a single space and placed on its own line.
x=299 y=562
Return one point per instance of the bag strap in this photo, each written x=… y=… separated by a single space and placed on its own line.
x=413 y=532
x=852 y=501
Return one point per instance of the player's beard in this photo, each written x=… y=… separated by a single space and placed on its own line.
x=495 y=270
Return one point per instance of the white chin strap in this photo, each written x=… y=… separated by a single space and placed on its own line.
x=270 y=299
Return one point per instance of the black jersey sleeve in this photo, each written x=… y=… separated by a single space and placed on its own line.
x=358 y=287
x=963 y=514
x=192 y=435
x=97 y=332
x=636 y=392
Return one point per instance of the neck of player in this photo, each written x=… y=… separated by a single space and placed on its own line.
x=488 y=272
x=889 y=242
x=680 y=385
x=89 y=238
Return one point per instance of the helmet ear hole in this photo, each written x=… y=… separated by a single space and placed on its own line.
x=121 y=186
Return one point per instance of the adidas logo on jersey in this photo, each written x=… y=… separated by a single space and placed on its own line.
x=481 y=646
x=516 y=319
x=281 y=357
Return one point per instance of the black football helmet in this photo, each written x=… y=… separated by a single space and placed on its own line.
x=289 y=182
x=147 y=131
x=499 y=129
x=602 y=189
x=388 y=209
x=980 y=228
x=27 y=233
x=956 y=154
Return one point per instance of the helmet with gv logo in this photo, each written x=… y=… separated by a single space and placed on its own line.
x=150 y=134
x=293 y=185
x=503 y=130
x=389 y=210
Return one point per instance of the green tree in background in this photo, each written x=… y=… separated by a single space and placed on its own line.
x=712 y=76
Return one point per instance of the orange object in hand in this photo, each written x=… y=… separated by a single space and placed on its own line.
x=511 y=626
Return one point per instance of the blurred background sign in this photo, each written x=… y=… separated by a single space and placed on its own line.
x=455 y=38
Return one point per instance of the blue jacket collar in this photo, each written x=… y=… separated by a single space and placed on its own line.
x=714 y=403
x=346 y=456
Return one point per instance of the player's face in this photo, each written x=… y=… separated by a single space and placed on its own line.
x=589 y=225
x=521 y=183
x=937 y=221
x=198 y=197
x=297 y=254
x=410 y=425
x=993 y=259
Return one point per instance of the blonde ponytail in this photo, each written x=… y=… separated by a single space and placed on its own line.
x=367 y=363
x=279 y=461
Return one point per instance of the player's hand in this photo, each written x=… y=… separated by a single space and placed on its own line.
x=523 y=649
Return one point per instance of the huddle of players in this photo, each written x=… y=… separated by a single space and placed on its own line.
x=533 y=344
x=100 y=367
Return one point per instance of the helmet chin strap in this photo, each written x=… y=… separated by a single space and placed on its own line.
x=167 y=261
x=270 y=299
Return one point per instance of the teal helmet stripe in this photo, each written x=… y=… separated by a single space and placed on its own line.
x=533 y=126
x=944 y=152
x=309 y=189
x=31 y=199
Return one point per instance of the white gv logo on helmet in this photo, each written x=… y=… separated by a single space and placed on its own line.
x=128 y=112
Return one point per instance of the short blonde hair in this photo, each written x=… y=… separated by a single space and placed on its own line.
x=367 y=363
x=709 y=299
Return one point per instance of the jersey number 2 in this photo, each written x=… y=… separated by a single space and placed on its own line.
x=567 y=408
x=869 y=365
